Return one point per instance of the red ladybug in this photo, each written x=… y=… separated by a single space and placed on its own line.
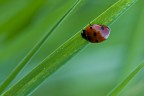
x=96 y=33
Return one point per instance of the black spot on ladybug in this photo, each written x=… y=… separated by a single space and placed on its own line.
x=90 y=27
x=102 y=27
x=94 y=33
x=97 y=41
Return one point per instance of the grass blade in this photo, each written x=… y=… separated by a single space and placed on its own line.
x=114 y=12
x=33 y=51
x=121 y=86
x=64 y=52
x=18 y=21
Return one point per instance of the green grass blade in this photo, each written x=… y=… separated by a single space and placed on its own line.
x=33 y=51
x=64 y=52
x=121 y=86
x=114 y=12
x=18 y=21
x=135 y=44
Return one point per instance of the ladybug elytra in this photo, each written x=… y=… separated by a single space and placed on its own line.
x=96 y=33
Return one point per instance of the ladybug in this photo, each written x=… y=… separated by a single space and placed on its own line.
x=96 y=33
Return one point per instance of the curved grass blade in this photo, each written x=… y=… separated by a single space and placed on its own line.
x=62 y=54
x=33 y=51
x=121 y=86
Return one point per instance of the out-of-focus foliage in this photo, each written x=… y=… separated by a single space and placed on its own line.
x=96 y=70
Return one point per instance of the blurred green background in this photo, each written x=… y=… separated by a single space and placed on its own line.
x=96 y=69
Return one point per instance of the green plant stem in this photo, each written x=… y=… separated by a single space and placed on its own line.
x=121 y=86
x=62 y=54
x=32 y=52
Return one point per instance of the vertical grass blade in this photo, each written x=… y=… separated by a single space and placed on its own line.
x=121 y=86
x=62 y=54
x=33 y=51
